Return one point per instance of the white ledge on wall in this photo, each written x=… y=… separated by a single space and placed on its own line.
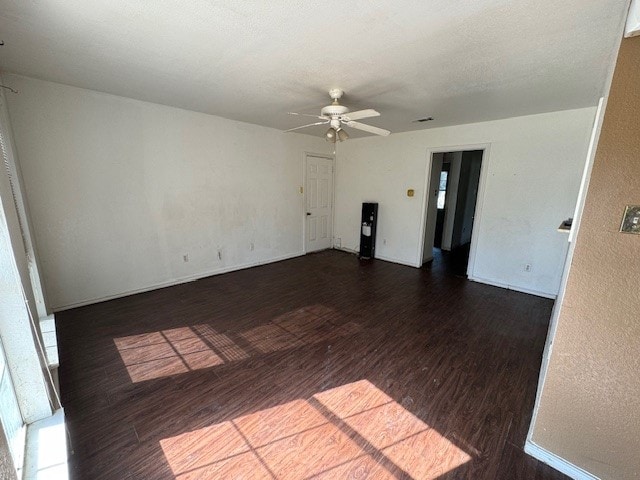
x=46 y=451
x=559 y=463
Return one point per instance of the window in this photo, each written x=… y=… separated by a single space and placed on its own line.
x=442 y=189
x=10 y=415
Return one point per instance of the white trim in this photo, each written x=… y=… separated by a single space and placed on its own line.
x=177 y=281
x=559 y=463
x=333 y=199
x=586 y=174
x=378 y=257
x=327 y=156
x=347 y=250
x=394 y=260
x=515 y=288
x=486 y=151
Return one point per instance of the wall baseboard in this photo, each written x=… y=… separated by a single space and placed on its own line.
x=347 y=250
x=486 y=281
x=515 y=288
x=379 y=257
x=396 y=260
x=175 y=281
x=559 y=463
x=233 y=268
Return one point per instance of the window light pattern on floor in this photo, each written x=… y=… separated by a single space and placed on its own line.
x=179 y=350
x=352 y=431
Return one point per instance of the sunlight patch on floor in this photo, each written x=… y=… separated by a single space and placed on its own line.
x=168 y=352
x=180 y=350
x=352 y=431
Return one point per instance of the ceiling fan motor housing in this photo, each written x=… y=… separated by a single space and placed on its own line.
x=334 y=110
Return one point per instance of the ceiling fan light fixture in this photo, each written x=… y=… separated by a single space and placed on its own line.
x=336 y=115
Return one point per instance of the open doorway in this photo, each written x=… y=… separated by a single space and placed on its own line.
x=451 y=207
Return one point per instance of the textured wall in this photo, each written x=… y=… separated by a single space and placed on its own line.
x=589 y=411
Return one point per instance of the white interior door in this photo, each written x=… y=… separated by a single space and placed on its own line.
x=318 y=203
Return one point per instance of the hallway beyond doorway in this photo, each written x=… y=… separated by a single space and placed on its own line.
x=452 y=262
x=452 y=197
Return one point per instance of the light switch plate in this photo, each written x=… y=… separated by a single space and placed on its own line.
x=631 y=219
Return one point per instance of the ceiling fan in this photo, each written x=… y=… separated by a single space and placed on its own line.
x=336 y=115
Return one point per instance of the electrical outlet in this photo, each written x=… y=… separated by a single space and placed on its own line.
x=527 y=268
x=337 y=243
x=185 y=257
x=252 y=246
x=384 y=241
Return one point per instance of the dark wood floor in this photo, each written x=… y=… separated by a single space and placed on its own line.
x=454 y=261
x=316 y=367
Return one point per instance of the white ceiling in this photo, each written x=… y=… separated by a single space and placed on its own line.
x=460 y=61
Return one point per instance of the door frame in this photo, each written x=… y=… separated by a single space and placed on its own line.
x=477 y=221
x=328 y=156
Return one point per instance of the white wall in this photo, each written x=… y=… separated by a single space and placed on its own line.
x=120 y=190
x=532 y=179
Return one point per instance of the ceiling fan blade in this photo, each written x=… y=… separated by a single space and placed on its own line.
x=368 y=128
x=360 y=114
x=308 y=115
x=305 y=126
